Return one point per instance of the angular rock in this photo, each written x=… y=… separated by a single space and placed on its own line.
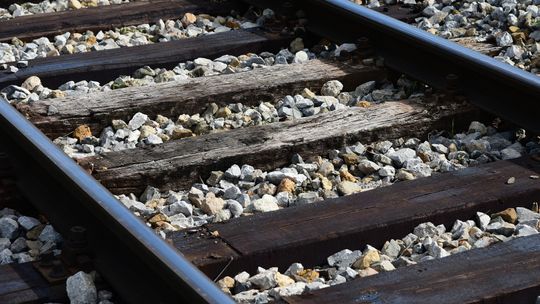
x=343 y=259
x=265 y=204
x=81 y=289
x=9 y=228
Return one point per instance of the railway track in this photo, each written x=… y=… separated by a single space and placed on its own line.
x=276 y=153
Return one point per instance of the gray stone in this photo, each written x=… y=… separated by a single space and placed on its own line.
x=244 y=200
x=332 y=88
x=343 y=259
x=242 y=277
x=440 y=148
x=402 y=155
x=387 y=171
x=222 y=215
x=6 y=257
x=233 y=173
x=482 y=220
x=235 y=208
x=525 y=230
x=18 y=245
x=437 y=252
x=509 y=153
x=367 y=167
x=28 y=222
x=248 y=296
x=264 y=280
x=383 y=146
x=383 y=266
x=275 y=177
x=294 y=269
x=409 y=239
x=140 y=208
x=339 y=279
x=504 y=39
x=426 y=229
x=499 y=226
x=177 y=207
x=284 y=199
x=484 y=242
x=364 y=88
x=48 y=234
x=391 y=248
x=316 y=286
x=81 y=289
x=525 y=214
x=290 y=290
x=4 y=243
x=307 y=198
x=402 y=262
x=326 y=168
x=231 y=192
x=150 y=193
x=137 y=121
x=153 y=139
x=22 y=257
x=9 y=228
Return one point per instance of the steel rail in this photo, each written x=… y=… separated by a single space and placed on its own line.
x=494 y=86
x=140 y=266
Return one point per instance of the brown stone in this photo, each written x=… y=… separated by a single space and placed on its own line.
x=232 y=24
x=31 y=83
x=508 y=215
x=307 y=93
x=346 y=175
x=34 y=233
x=160 y=217
x=57 y=94
x=286 y=185
x=188 y=19
x=367 y=272
x=307 y=275
x=226 y=282
x=363 y=104
x=326 y=183
x=368 y=258
x=212 y=204
x=350 y=158
x=91 y=40
x=223 y=112
x=75 y=4
x=155 y=203
x=179 y=133
x=82 y=132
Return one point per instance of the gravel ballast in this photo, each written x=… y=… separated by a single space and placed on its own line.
x=243 y=190
x=426 y=242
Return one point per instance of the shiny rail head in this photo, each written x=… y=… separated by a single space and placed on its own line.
x=99 y=201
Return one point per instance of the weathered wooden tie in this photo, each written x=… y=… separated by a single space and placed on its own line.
x=107 y=17
x=310 y=233
x=106 y=65
x=503 y=273
x=22 y=283
x=192 y=96
x=178 y=164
